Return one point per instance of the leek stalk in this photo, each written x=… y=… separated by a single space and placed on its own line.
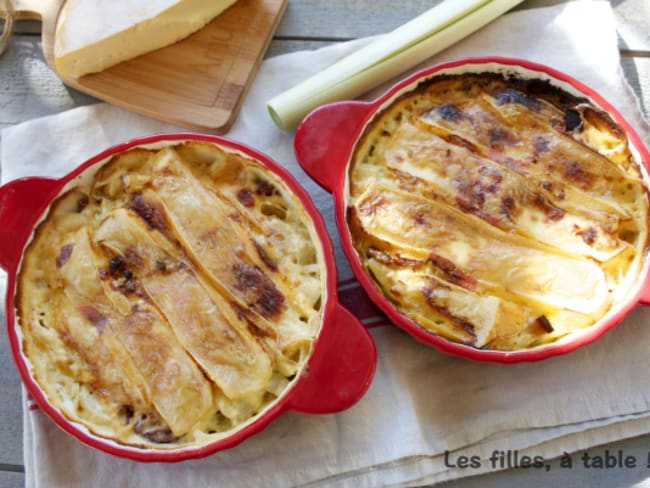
x=392 y=54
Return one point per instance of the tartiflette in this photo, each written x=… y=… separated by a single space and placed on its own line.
x=170 y=295
x=498 y=212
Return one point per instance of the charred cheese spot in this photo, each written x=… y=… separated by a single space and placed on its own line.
x=246 y=197
x=572 y=120
x=94 y=316
x=260 y=292
x=264 y=187
x=450 y=112
x=498 y=212
x=510 y=95
x=149 y=212
x=82 y=202
x=264 y=256
x=64 y=254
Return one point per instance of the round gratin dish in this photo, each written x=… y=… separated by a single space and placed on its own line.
x=493 y=208
x=174 y=294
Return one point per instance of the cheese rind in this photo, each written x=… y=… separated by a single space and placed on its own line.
x=92 y=36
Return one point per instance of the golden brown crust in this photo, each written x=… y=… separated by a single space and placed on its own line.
x=159 y=307
x=501 y=208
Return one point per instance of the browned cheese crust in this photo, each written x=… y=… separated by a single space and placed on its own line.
x=497 y=212
x=171 y=296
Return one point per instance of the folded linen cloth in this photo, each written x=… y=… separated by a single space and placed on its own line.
x=421 y=403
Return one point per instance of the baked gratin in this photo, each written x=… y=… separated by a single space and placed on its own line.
x=171 y=295
x=497 y=212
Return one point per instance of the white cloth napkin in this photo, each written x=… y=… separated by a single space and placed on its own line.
x=421 y=403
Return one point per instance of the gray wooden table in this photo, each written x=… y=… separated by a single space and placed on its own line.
x=28 y=89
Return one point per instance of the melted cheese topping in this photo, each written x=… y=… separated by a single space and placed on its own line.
x=498 y=213
x=171 y=297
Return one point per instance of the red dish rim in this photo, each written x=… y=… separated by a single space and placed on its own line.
x=337 y=185
x=270 y=412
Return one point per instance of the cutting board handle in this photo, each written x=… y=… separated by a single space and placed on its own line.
x=322 y=141
x=7 y=14
x=45 y=10
x=341 y=368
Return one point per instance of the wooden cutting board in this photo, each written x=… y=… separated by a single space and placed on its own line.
x=197 y=83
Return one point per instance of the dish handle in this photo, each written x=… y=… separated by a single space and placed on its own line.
x=21 y=201
x=644 y=292
x=340 y=370
x=323 y=140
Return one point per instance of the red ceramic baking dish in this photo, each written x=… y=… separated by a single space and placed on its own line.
x=328 y=137
x=339 y=368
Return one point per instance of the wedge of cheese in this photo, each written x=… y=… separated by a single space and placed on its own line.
x=94 y=35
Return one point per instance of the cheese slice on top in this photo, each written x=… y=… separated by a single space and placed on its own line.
x=92 y=35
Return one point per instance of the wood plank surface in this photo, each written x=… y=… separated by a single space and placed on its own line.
x=11 y=452
x=637 y=73
x=29 y=89
x=9 y=479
